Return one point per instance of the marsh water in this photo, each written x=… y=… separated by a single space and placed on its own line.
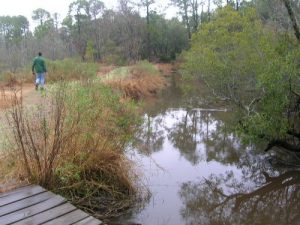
x=199 y=172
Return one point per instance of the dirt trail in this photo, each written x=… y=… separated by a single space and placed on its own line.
x=30 y=97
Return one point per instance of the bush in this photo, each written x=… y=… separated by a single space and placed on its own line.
x=74 y=144
x=144 y=68
x=70 y=69
x=66 y=70
x=138 y=81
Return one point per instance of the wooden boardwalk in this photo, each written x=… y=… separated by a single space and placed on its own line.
x=35 y=205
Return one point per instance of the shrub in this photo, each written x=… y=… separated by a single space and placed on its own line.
x=74 y=144
x=138 y=81
x=66 y=70
x=70 y=69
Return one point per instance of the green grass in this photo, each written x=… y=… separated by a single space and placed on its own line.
x=146 y=68
x=66 y=70
x=70 y=69
x=77 y=139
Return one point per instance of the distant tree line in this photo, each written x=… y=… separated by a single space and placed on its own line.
x=92 y=32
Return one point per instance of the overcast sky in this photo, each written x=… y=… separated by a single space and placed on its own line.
x=25 y=7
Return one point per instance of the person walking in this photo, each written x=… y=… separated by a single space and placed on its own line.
x=39 y=70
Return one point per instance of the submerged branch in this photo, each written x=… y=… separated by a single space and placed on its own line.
x=294 y=134
x=283 y=144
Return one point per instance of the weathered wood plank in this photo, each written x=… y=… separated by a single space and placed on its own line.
x=21 y=195
x=33 y=210
x=89 y=221
x=34 y=205
x=69 y=218
x=16 y=190
x=27 y=202
x=47 y=215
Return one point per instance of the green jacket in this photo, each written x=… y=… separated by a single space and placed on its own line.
x=39 y=65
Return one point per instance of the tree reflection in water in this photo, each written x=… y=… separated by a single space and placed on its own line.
x=151 y=136
x=202 y=135
x=258 y=195
x=225 y=200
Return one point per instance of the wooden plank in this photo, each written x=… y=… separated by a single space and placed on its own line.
x=69 y=218
x=33 y=210
x=16 y=190
x=47 y=215
x=11 y=192
x=89 y=221
x=27 y=202
x=27 y=192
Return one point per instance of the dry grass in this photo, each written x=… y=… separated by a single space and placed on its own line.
x=7 y=93
x=166 y=69
x=105 y=69
x=142 y=81
x=73 y=143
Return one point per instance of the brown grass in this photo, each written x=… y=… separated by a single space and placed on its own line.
x=166 y=69
x=139 y=84
x=7 y=93
x=105 y=69
x=73 y=144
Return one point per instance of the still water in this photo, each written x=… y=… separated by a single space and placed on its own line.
x=198 y=171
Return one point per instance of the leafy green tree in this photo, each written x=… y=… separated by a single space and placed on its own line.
x=184 y=6
x=147 y=4
x=13 y=28
x=82 y=23
x=40 y=15
x=14 y=32
x=254 y=68
x=90 y=51
x=288 y=6
x=167 y=38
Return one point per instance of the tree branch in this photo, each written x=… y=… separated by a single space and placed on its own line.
x=283 y=144
x=294 y=133
x=293 y=19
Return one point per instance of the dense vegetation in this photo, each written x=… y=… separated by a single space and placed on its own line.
x=73 y=138
x=254 y=63
x=246 y=52
x=91 y=32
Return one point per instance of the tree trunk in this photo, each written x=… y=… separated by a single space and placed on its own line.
x=148 y=31
x=288 y=6
x=185 y=5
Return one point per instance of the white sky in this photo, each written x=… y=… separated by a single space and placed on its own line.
x=25 y=7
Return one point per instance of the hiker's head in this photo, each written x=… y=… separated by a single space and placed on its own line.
x=40 y=54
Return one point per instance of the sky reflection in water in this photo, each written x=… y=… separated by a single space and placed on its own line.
x=199 y=173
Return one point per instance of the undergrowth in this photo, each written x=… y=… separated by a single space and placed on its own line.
x=59 y=70
x=73 y=143
x=141 y=80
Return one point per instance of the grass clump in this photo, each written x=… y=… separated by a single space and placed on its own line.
x=59 y=70
x=142 y=80
x=73 y=143
x=71 y=69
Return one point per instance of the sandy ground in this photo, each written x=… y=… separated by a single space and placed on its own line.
x=30 y=97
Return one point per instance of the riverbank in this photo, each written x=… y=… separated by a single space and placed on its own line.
x=74 y=135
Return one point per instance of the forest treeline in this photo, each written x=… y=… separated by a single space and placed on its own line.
x=94 y=32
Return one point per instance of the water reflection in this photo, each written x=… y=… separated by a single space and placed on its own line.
x=199 y=172
x=190 y=131
x=151 y=136
x=226 y=200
